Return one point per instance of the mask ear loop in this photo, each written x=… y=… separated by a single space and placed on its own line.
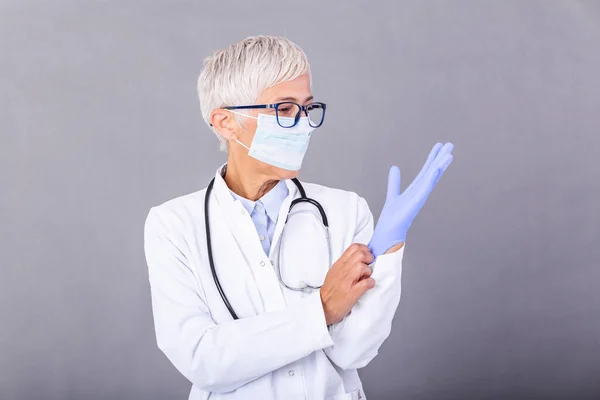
x=243 y=115
x=242 y=144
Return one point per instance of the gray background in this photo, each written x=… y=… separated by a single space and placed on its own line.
x=99 y=120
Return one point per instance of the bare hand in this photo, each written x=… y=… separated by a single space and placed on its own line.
x=346 y=281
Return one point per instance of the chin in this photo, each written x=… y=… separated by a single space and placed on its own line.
x=283 y=174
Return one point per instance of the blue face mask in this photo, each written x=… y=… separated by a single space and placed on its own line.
x=281 y=147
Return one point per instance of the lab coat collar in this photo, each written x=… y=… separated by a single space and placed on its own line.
x=272 y=200
x=225 y=198
x=221 y=190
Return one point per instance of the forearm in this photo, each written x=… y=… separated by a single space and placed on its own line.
x=358 y=337
x=221 y=358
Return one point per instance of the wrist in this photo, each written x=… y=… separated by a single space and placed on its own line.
x=395 y=248
x=327 y=321
x=380 y=245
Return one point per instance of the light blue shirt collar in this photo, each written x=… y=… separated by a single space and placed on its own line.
x=272 y=200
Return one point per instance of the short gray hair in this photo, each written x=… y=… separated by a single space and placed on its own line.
x=238 y=74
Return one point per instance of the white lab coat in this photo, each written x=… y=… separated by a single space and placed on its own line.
x=281 y=347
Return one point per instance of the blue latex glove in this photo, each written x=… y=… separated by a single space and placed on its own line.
x=400 y=209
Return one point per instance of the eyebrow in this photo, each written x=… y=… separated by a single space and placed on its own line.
x=309 y=98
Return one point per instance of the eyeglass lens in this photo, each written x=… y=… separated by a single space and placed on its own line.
x=288 y=114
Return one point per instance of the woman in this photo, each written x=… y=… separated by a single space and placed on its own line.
x=252 y=300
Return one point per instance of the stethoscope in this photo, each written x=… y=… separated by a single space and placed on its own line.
x=302 y=199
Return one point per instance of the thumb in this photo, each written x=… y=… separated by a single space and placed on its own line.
x=393 y=189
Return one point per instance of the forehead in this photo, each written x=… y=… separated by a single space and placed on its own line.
x=297 y=90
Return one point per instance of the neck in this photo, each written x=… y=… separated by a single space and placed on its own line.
x=249 y=186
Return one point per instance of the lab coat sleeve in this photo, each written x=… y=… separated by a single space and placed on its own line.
x=359 y=335
x=221 y=357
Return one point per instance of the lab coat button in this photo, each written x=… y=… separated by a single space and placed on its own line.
x=243 y=212
x=262 y=263
x=291 y=372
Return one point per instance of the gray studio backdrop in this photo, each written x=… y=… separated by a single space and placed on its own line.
x=99 y=121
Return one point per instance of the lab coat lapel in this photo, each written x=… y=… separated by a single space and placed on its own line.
x=238 y=221
x=241 y=227
x=230 y=252
x=283 y=213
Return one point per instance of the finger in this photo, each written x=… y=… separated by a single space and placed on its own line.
x=444 y=165
x=393 y=189
x=446 y=161
x=352 y=249
x=423 y=189
x=365 y=272
x=358 y=271
x=361 y=287
x=432 y=155
x=445 y=149
x=429 y=182
x=435 y=154
x=364 y=257
x=441 y=159
x=367 y=256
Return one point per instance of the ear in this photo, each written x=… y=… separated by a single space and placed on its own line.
x=224 y=123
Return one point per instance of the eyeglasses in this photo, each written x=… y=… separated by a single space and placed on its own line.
x=291 y=112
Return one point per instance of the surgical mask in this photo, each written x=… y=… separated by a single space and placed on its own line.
x=281 y=147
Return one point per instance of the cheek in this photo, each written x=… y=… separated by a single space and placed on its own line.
x=249 y=129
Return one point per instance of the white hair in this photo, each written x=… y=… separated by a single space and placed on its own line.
x=238 y=74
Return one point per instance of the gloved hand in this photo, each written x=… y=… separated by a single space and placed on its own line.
x=400 y=209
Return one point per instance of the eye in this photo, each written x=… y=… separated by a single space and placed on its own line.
x=288 y=109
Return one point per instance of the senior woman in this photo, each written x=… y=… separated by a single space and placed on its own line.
x=264 y=287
